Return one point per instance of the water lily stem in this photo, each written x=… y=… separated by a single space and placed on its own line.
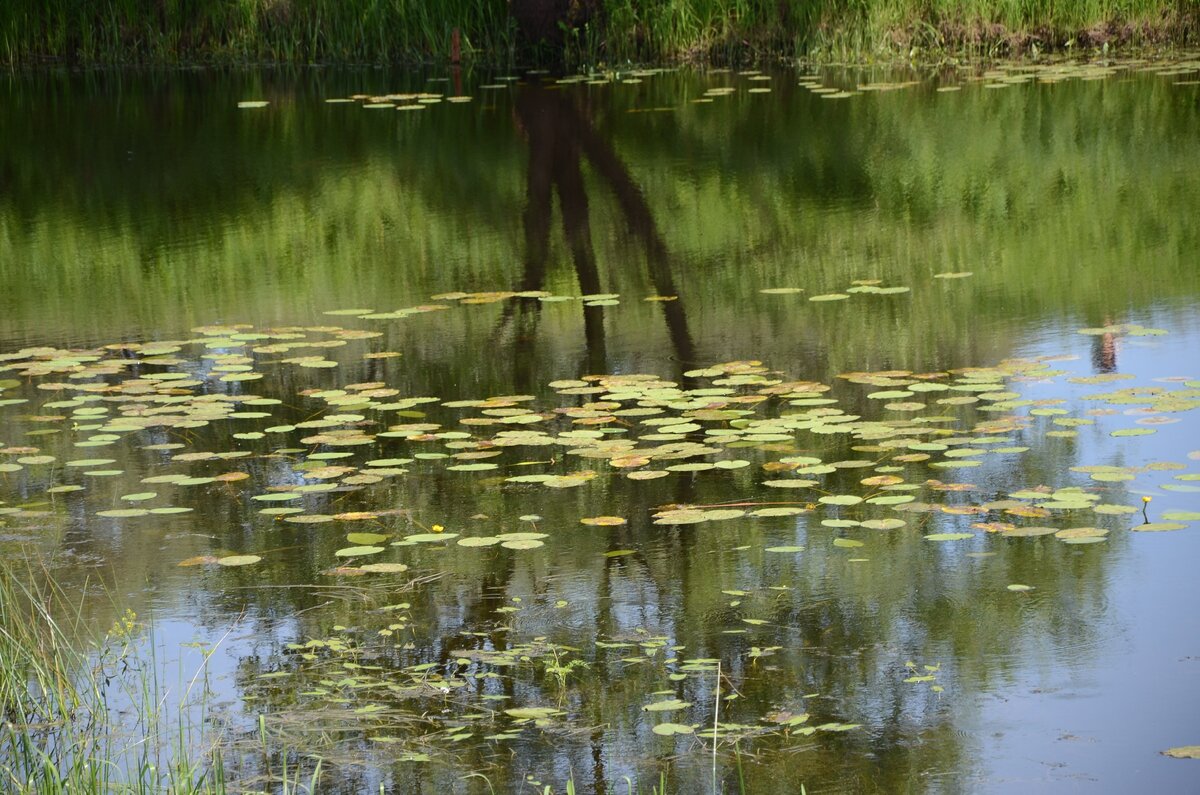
x=716 y=723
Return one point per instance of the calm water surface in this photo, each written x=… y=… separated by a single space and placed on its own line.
x=1005 y=273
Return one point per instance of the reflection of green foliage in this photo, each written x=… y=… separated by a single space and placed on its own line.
x=1061 y=215
x=1024 y=187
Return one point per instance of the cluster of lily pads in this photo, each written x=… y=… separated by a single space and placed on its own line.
x=633 y=426
x=1184 y=72
x=870 y=453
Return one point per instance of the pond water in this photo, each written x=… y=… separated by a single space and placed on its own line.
x=568 y=430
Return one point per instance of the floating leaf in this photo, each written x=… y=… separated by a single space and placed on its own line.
x=669 y=705
x=349 y=552
x=199 y=560
x=1159 y=527
x=669 y=729
x=533 y=713
x=1183 y=752
x=428 y=538
x=523 y=543
x=478 y=541
x=365 y=538
x=238 y=560
x=384 y=568
x=884 y=524
x=788 y=511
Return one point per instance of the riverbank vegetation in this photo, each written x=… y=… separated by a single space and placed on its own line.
x=580 y=31
x=84 y=709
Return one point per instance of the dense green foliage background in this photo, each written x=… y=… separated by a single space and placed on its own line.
x=168 y=31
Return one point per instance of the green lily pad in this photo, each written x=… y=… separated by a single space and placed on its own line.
x=238 y=560
x=1159 y=527
x=532 y=713
x=478 y=541
x=350 y=552
x=523 y=543
x=669 y=729
x=365 y=538
x=884 y=524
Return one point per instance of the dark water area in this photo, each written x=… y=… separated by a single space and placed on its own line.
x=516 y=426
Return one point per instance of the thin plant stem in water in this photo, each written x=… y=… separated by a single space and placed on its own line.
x=716 y=724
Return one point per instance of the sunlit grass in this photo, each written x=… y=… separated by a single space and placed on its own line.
x=303 y=31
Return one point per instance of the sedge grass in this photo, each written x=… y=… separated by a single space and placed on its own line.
x=369 y=31
x=85 y=712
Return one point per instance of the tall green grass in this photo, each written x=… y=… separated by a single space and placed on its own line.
x=82 y=711
x=360 y=31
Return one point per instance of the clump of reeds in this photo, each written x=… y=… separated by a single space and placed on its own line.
x=362 y=31
x=82 y=712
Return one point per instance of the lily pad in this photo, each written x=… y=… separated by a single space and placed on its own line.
x=669 y=729
x=523 y=543
x=533 y=713
x=478 y=541
x=384 y=568
x=350 y=552
x=238 y=560
x=1159 y=527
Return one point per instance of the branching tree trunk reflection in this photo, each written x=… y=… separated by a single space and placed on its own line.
x=560 y=138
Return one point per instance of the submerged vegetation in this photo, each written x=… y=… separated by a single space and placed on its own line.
x=613 y=31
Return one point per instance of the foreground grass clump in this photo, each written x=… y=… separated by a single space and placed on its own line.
x=303 y=31
x=82 y=713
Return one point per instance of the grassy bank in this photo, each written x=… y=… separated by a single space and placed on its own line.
x=373 y=31
x=82 y=710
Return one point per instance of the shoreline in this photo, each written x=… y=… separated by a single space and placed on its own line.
x=610 y=37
